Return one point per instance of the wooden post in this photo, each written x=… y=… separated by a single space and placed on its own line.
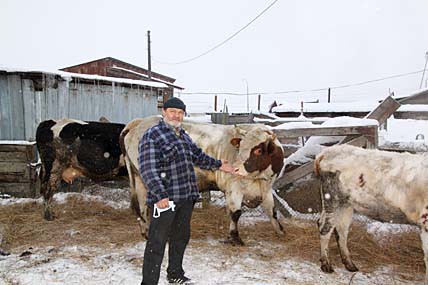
x=258 y=102
x=384 y=110
x=329 y=92
x=149 y=57
x=215 y=103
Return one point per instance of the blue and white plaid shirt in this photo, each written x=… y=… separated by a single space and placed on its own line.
x=166 y=164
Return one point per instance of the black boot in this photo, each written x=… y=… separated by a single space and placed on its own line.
x=178 y=280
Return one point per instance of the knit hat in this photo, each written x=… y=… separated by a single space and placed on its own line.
x=174 y=102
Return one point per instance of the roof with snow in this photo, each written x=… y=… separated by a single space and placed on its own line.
x=70 y=76
x=113 y=67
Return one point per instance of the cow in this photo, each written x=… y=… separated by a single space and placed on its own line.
x=382 y=185
x=252 y=148
x=71 y=148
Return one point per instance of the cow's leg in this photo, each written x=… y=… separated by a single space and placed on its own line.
x=138 y=197
x=50 y=183
x=269 y=207
x=326 y=227
x=329 y=192
x=144 y=216
x=344 y=219
x=424 y=238
x=234 y=202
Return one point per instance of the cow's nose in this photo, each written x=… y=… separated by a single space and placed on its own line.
x=247 y=166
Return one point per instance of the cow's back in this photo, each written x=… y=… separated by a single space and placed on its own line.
x=383 y=185
x=91 y=147
x=132 y=134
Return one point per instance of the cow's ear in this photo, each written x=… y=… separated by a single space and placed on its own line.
x=235 y=142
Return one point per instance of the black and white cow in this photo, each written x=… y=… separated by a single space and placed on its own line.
x=382 y=185
x=70 y=148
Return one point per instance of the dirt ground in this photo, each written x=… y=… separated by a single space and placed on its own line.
x=82 y=222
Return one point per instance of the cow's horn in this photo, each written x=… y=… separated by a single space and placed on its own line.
x=240 y=131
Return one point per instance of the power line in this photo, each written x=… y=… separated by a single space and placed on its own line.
x=223 y=42
x=308 y=90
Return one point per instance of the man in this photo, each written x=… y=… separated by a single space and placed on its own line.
x=166 y=158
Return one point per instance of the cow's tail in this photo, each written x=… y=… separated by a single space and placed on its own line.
x=135 y=206
x=122 y=136
x=317 y=166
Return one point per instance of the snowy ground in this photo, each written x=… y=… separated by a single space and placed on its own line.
x=83 y=265
x=207 y=260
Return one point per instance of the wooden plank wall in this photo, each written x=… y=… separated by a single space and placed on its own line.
x=17 y=175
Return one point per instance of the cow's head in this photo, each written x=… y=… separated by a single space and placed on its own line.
x=259 y=152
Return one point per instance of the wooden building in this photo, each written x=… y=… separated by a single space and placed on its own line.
x=414 y=107
x=28 y=97
x=112 y=67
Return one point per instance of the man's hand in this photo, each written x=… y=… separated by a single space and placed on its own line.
x=162 y=204
x=227 y=167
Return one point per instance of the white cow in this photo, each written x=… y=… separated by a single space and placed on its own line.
x=252 y=148
x=383 y=185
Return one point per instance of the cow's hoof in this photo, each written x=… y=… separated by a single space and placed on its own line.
x=4 y=252
x=48 y=216
x=327 y=268
x=351 y=267
x=280 y=232
x=234 y=241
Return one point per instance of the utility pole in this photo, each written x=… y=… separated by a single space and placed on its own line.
x=149 y=59
x=423 y=73
x=248 y=99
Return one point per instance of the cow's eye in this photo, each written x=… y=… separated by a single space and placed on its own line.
x=257 y=151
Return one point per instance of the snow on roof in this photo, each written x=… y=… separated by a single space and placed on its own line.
x=69 y=76
x=326 y=107
x=143 y=75
x=332 y=122
x=414 y=93
x=340 y=107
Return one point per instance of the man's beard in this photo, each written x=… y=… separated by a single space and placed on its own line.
x=174 y=124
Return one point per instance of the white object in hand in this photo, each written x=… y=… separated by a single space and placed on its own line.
x=157 y=211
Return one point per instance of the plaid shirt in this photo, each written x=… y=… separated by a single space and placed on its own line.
x=166 y=164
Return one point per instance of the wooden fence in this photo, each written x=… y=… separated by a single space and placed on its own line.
x=362 y=136
x=18 y=169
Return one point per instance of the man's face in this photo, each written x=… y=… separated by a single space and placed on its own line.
x=173 y=116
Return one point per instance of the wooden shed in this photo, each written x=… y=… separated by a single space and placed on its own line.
x=113 y=67
x=28 y=97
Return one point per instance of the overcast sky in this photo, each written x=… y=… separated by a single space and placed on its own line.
x=295 y=45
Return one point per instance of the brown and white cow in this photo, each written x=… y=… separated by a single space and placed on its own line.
x=252 y=148
x=382 y=185
x=70 y=148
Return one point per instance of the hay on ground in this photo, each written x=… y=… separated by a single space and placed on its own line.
x=81 y=222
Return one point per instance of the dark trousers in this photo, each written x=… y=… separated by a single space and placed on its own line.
x=173 y=227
